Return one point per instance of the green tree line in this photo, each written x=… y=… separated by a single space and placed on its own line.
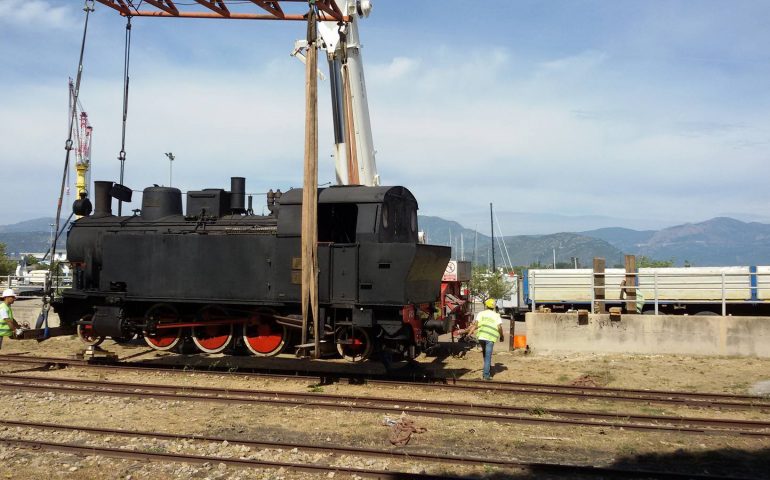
x=7 y=266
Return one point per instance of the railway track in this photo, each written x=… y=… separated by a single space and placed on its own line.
x=433 y=408
x=660 y=397
x=688 y=399
x=532 y=468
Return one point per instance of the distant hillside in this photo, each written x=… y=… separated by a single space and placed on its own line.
x=30 y=236
x=529 y=223
x=625 y=239
x=719 y=241
x=34 y=225
x=439 y=231
x=522 y=249
x=529 y=249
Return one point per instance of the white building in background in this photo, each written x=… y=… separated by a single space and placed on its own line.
x=29 y=276
x=60 y=256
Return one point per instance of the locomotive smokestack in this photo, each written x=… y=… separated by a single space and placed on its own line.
x=102 y=198
x=237 y=194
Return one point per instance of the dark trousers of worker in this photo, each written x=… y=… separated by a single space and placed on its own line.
x=486 y=347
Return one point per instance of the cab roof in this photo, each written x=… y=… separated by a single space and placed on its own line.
x=349 y=194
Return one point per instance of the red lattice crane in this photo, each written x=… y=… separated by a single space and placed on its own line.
x=254 y=10
x=354 y=151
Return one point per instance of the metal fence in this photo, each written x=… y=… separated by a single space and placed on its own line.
x=30 y=282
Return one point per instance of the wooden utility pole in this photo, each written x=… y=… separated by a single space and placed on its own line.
x=599 y=281
x=310 y=190
x=630 y=284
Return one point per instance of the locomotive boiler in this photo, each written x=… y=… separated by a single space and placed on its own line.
x=221 y=276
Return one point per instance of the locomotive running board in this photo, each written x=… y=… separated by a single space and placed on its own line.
x=293 y=321
x=306 y=349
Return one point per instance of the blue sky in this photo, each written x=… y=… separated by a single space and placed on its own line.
x=635 y=113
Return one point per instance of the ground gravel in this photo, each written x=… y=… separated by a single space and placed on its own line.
x=732 y=455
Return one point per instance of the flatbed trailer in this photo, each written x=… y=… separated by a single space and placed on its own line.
x=731 y=290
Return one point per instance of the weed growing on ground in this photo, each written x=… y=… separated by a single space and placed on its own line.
x=742 y=386
x=652 y=411
x=626 y=450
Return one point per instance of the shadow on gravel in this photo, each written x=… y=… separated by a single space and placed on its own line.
x=724 y=463
x=331 y=370
x=327 y=371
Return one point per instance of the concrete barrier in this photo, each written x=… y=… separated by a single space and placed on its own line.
x=27 y=311
x=650 y=334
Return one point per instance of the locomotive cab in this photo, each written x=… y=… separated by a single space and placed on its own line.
x=373 y=273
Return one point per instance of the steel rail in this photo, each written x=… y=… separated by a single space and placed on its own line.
x=721 y=400
x=393 y=454
x=434 y=409
x=684 y=399
x=404 y=404
x=707 y=396
x=201 y=459
x=519 y=387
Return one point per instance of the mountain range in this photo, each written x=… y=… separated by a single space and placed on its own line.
x=719 y=241
x=30 y=236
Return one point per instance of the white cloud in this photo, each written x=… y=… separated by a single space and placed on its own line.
x=396 y=69
x=580 y=63
x=35 y=13
x=506 y=137
x=551 y=131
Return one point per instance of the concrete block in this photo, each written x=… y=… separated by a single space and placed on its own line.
x=650 y=334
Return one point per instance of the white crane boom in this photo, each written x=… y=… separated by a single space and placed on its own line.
x=354 y=148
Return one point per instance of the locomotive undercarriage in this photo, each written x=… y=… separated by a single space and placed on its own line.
x=259 y=330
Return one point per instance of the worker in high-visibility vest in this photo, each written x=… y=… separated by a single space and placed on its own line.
x=488 y=327
x=7 y=322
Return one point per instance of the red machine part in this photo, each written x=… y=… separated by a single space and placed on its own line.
x=453 y=302
x=410 y=317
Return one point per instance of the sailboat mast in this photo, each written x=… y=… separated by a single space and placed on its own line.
x=492 y=228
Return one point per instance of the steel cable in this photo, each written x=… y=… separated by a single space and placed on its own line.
x=126 y=65
x=88 y=7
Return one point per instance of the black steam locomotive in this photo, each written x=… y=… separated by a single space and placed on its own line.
x=224 y=277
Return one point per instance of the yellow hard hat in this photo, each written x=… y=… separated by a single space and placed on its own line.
x=489 y=303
